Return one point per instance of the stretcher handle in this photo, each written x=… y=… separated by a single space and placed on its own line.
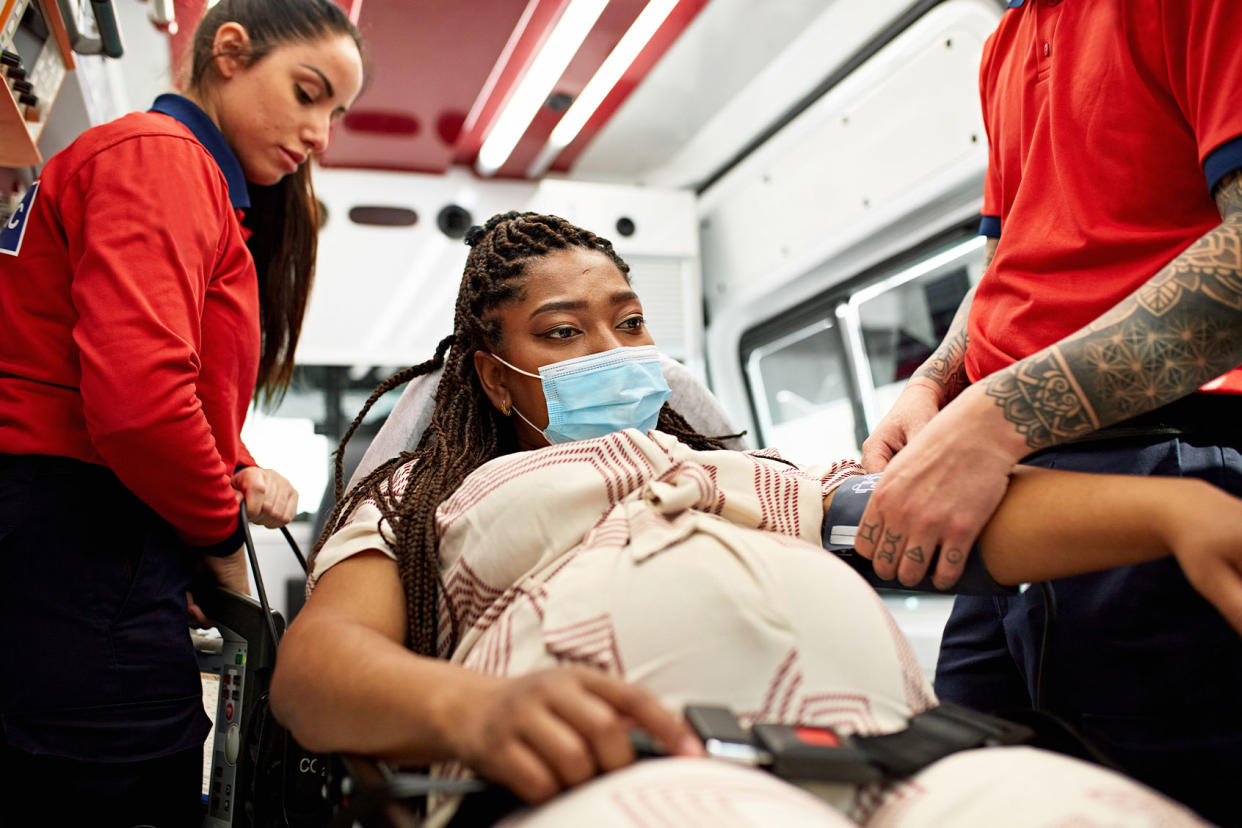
x=258 y=575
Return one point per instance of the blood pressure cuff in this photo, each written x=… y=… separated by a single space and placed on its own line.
x=841 y=525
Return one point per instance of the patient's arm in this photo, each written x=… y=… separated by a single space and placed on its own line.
x=345 y=682
x=1053 y=524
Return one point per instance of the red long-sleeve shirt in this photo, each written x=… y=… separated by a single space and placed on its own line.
x=130 y=332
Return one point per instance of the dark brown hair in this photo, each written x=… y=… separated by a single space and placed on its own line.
x=465 y=430
x=284 y=218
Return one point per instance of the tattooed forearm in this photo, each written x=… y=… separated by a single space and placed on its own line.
x=989 y=252
x=946 y=367
x=1182 y=328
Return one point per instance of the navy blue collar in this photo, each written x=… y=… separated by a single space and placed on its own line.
x=208 y=134
x=1013 y=4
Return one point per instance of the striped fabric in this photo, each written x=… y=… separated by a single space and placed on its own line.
x=698 y=574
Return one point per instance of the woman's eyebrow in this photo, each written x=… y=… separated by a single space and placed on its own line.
x=581 y=304
x=327 y=84
x=565 y=304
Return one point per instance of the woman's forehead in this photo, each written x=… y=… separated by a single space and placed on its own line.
x=579 y=271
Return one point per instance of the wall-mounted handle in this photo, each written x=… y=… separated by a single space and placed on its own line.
x=109 y=40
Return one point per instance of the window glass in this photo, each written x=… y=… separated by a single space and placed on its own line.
x=904 y=316
x=852 y=349
x=802 y=394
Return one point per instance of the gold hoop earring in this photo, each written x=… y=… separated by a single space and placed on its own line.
x=506 y=408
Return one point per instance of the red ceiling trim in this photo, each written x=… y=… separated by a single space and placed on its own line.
x=539 y=24
x=678 y=20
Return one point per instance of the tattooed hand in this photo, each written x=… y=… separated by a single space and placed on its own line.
x=940 y=491
x=908 y=416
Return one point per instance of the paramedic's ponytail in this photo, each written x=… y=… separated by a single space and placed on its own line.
x=284 y=219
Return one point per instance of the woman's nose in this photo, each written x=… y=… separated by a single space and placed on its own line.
x=606 y=340
x=316 y=134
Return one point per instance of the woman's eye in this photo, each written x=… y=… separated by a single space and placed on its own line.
x=302 y=95
x=563 y=332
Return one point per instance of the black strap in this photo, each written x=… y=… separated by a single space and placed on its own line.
x=935 y=734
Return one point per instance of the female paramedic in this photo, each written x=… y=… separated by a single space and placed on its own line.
x=136 y=330
x=568 y=558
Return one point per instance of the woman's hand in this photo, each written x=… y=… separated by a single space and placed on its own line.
x=271 y=500
x=229 y=571
x=541 y=733
x=1207 y=541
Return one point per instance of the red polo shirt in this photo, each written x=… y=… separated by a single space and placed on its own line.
x=1109 y=122
x=130 y=333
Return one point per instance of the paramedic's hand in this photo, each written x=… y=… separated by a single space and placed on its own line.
x=913 y=410
x=271 y=500
x=229 y=571
x=940 y=490
x=1207 y=541
x=541 y=733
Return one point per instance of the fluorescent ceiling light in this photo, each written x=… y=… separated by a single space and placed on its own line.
x=610 y=71
x=566 y=38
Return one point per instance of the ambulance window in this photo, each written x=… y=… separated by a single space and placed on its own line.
x=903 y=316
x=801 y=392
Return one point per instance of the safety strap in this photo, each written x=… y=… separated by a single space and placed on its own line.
x=798 y=752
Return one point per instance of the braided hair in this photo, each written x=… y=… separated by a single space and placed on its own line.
x=465 y=431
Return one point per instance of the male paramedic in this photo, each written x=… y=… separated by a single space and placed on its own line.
x=1106 y=336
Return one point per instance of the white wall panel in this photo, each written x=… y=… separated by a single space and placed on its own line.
x=385 y=295
x=892 y=155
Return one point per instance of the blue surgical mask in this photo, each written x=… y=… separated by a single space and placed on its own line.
x=597 y=394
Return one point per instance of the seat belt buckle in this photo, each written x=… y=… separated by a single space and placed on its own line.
x=795 y=752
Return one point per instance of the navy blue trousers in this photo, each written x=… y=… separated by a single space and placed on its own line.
x=99 y=667
x=1140 y=664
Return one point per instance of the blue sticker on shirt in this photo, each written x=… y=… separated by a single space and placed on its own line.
x=14 y=230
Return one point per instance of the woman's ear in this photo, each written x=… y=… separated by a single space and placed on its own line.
x=231 y=49
x=491 y=376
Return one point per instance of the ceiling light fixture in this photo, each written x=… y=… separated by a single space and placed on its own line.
x=546 y=69
x=610 y=71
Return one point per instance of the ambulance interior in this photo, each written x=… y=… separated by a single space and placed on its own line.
x=794 y=183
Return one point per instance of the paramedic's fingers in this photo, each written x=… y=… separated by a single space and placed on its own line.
x=942 y=488
x=909 y=415
x=283 y=497
x=271 y=500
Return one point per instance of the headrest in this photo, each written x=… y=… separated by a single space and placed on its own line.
x=410 y=416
